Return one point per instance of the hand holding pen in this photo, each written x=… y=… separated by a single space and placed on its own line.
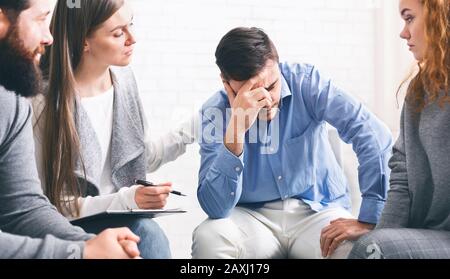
x=150 y=184
x=152 y=197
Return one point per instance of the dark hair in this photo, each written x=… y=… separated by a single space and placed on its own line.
x=243 y=53
x=17 y=5
x=14 y=7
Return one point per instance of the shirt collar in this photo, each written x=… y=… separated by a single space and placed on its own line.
x=285 y=90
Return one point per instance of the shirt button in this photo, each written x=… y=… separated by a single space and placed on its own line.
x=232 y=193
x=238 y=169
x=286 y=197
x=280 y=178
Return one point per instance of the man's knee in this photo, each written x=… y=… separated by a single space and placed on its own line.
x=343 y=250
x=213 y=231
x=212 y=235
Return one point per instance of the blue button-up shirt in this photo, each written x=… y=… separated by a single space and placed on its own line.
x=292 y=156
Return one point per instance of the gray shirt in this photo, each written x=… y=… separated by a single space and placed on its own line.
x=30 y=226
x=419 y=195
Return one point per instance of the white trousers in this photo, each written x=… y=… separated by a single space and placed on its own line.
x=282 y=229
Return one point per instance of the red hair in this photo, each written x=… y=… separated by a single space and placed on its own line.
x=431 y=84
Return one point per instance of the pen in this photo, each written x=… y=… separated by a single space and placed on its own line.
x=149 y=184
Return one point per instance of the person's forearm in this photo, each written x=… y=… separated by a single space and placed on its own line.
x=122 y=200
x=216 y=204
x=168 y=147
x=234 y=139
x=220 y=183
x=44 y=221
x=20 y=247
x=165 y=149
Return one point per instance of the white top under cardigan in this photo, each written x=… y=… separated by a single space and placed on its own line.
x=158 y=152
x=100 y=111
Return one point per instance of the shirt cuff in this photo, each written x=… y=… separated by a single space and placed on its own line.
x=127 y=197
x=370 y=211
x=228 y=163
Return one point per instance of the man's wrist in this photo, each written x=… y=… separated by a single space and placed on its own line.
x=368 y=226
x=234 y=140
x=234 y=148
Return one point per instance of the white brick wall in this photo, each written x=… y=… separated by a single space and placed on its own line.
x=174 y=63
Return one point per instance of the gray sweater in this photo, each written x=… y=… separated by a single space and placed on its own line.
x=419 y=196
x=30 y=227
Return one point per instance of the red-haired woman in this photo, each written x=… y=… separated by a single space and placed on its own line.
x=416 y=218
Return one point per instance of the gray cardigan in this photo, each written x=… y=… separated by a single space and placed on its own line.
x=133 y=152
x=419 y=196
x=128 y=158
x=30 y=226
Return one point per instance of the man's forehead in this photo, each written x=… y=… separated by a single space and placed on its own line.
x=271 y=74
x=268 y=70
x=265 y=78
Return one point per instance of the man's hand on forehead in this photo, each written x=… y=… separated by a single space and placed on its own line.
x=258 y=80
x=253 y=83
x=247 y=103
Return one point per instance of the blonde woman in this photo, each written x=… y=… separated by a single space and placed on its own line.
x=92 y=139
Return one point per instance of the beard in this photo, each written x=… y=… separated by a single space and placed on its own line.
x=19 y=67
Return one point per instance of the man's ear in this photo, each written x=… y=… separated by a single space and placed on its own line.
x=4 y=24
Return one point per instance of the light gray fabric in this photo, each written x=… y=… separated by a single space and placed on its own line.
x=31 y=227
x=403 y=244
x=419 y=195
x=128 y=160
x=415 y=223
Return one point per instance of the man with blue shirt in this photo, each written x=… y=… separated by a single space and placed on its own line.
x=269 y=181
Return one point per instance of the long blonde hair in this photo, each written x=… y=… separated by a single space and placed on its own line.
x=61 y=149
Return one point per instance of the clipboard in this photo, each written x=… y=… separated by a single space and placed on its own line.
x=133 y=213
